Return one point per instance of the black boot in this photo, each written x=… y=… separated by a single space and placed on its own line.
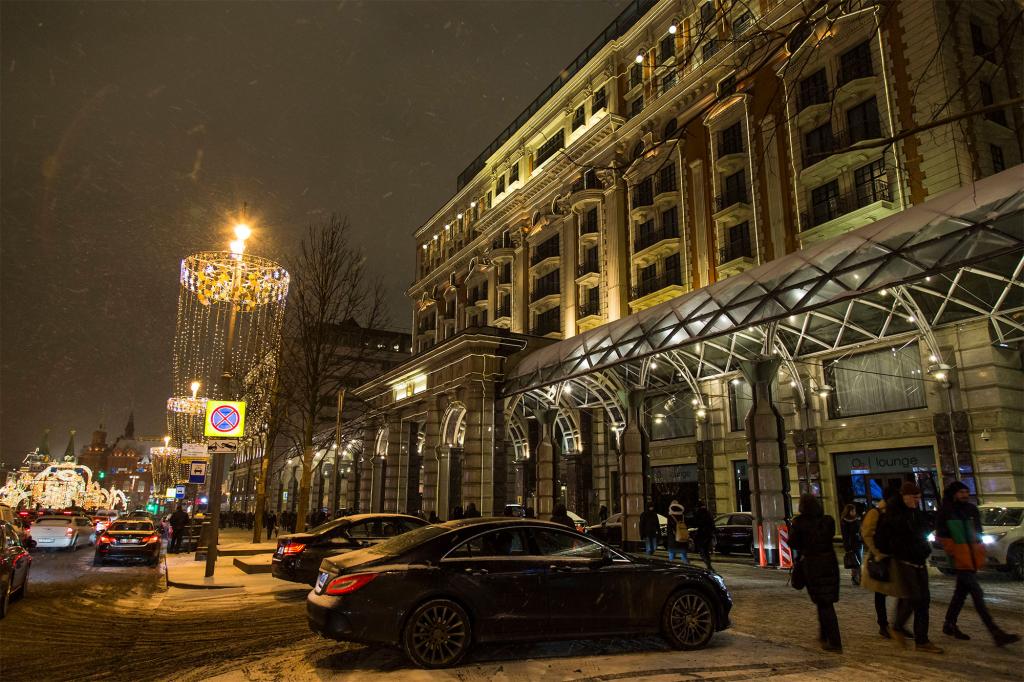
x=1003 y=638
x=951 y=630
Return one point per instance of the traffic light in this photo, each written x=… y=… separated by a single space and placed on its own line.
x=103 y=474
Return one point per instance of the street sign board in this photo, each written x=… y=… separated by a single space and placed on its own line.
x=179 y=492
x=224 y=419
x=197 y=471
x=223 y=447
x=170 y=493
x=192 y=451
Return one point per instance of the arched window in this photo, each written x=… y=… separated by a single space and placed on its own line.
x=638 y=150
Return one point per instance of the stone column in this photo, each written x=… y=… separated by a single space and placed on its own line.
x=378 y=472
x=473 y=447
x=766 y=455
x=520 y=282
x=631 y=472
x=575 y=485
x=397 y=457
x=410 y=500
x=570 y=259
x=429 y=455
x=546 y=464
x=614 y=213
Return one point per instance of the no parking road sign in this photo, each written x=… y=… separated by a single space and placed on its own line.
x=224 y=419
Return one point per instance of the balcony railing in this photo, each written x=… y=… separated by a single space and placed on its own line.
x=734 y=250
x=545 y=289
x=650 y=285
x=587 y=181
x=643 y=195
x=651 y=238
x=543 y=254
x=854 y=69
x=502 y=243
x=505 y=275
x=816 y=94
x=838 y=141
x=503 y=311
x=588 y=308
x=586 y=227
x=840 y=205
x=586 y=267
x=730 y=145
x=546 y=326
x=724 y=201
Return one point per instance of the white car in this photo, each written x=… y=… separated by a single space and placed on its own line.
x=63 y=531
x=1003 y=534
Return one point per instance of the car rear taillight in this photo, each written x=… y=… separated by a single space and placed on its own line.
x=293 y=548
x=151 y=538
x=105 y=539
x=347 y=584
x=69 y=532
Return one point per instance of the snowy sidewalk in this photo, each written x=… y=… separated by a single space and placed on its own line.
x=183 y=571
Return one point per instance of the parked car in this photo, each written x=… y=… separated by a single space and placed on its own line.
x=298 y=555
x=102 y=519
x=1003 y=536
x=610 y=531
x=63 y=531
x=734 y=533
x=128 y=540
x=23 y=527
x=438 y=590
x=15 y=563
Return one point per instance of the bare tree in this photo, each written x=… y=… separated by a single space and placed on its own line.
x=333 y=300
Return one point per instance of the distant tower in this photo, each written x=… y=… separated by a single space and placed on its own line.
x=129 y=428
x=44 y=446
x=69 y=451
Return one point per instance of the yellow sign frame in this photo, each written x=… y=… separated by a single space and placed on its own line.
x=214 y=407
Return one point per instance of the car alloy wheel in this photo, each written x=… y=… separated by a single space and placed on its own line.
x=1015 y=559
x=438 y=634
x=688 y=621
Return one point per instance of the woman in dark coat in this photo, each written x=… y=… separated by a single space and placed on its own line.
x=811 y=536
x=849 y=525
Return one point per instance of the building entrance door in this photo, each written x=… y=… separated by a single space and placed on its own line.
x=864 y=478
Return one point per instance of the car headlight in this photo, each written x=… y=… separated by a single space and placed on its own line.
x=992 y=538
x=931 y=537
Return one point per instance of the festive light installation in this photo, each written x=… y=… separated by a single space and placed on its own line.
x=167 y=465
x=219 y=288
x=59 y=486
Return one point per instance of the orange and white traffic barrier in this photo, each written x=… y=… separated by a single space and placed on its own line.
x=785 y=553
x=762 y=561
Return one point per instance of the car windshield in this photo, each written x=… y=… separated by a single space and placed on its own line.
x=324 y=527
x=1001 y=516
x=405 y=541
x=54 y=521
x=132 y=525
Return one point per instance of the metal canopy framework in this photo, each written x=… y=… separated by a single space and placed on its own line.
x=954 y=258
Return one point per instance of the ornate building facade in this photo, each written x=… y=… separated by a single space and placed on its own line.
x=691 y=144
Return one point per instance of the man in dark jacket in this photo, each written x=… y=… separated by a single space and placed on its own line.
x=811 y=536
x=958 y=528
x=903 y=534
x=472 y=512
x=649 y=528
x=561 y=515
x=178 y=521
x=705 y=536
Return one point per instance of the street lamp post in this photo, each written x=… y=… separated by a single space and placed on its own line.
x=242 y=233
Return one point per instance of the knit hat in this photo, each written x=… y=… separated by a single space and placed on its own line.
x=910 y=488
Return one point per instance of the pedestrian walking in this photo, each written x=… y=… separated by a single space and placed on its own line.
x=902 y=532
x=958 y=528
x=678 y=535
x=457 y=513
x=849 y=525
x=705 y=536
x=876 y=558
x=811 y=536
x=561 y=515
x=271 y=524
x=471 y=511
x=602 y=514
x=178 y=521
x=650 y=528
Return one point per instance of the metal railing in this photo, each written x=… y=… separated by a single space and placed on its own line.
x=652 y=284
x=838 y=141
x=651 y=238
x=545 y=289
x=546 y=325
x=734 y=250
x=588 y=308
x=854 y=69
x=817 y=94
x=840 y=205
x=587 y=266
x=727 y=199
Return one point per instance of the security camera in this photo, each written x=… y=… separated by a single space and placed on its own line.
x=985 y=435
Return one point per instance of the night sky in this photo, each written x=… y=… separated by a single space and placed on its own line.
x=132 y=132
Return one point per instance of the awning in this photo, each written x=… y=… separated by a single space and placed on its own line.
x=953 y=258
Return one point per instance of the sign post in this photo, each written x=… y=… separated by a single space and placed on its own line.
x=225 y=419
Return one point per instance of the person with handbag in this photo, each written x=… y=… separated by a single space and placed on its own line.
x=876 y=573
x=849 y=526
x=817 y=566
x=678 y=533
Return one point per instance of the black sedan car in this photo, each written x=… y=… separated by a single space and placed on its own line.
x=298 y=556
x=438 y=590
x=734 y=533
x=15 y=563
x=128 y=540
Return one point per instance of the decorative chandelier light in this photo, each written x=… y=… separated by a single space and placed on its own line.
x=188 y=405
x=245 y=280
x=166 y=463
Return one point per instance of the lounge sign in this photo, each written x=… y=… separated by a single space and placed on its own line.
x=903 y=460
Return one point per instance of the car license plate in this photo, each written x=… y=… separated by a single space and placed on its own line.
x=129 y=541
x=320 y=582
x=45 y=539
